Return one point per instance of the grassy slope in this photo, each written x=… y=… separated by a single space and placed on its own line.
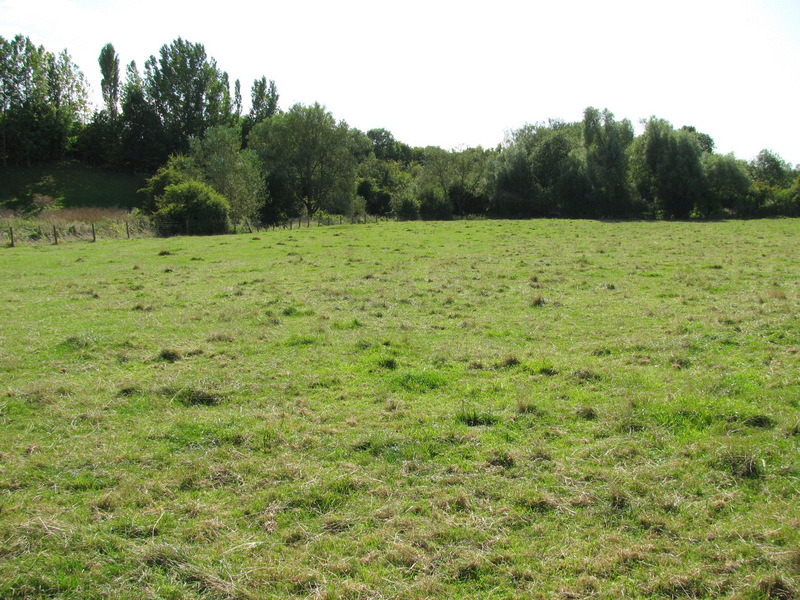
x=71 y=184
x=471 y=409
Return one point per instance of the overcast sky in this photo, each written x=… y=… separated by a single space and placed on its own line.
x=455 y=73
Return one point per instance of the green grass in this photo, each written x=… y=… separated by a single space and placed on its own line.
x=70 y=185
x=477 y=409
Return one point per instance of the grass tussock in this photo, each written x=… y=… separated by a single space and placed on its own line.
x=190 y=396
x=743 y=463
x=419 y=381
x=472 y=416
x=170 y=355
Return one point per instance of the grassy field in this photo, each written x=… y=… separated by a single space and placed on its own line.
x=475 y=409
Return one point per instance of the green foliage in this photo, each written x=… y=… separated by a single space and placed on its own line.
x=144 y=144
x=771 y=201
x=793 y=199
x=263 y=105
x=309 y=159
x=405 y=206
x=187 y=91
x=606 y=142
x=194 y=206
x=110 y=84
x=232 y=172
x=516 y=193
x=705 y=141
x=377 y=201
x=434 y=205
x=264 y=100
x=380 y=181
x=728 y=183
x=467 y=187
x=542 y=171
x=43 y=99
x=386 y=147
x=173 y=173
x=771 y=169
x=668 y=172
x=277 y=165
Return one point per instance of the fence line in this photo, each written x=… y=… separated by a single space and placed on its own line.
x=19 y=232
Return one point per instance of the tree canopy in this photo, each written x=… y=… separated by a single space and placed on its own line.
x=309 y=158
x=179 y=119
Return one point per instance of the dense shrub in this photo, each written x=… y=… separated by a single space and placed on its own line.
x=191 y=207
x=434 y=205
x=405 y=207
x=168 y=175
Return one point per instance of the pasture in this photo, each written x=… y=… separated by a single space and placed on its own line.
x=472 y=409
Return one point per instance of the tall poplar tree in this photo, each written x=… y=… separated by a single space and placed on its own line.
x=110 y=86
x=188 y=92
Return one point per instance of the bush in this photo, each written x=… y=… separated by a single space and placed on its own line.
x=433 y=205
x=405 y=207
x=165 y=177
x=192 y=207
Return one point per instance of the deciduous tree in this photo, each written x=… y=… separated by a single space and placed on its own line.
x=309 y=159
x=188 y=92
x=43 y=102
x=233 y=172
x=110 y=83
x=606 y=142
x=668 y=172
x=144 y=143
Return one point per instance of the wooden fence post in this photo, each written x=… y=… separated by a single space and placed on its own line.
x=11 y=234
x=55 y=235
x=127 y=230
x=94 y=234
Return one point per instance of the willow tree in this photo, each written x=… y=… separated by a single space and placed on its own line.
x=606 y=142
x=668 y=171
x=309 y=159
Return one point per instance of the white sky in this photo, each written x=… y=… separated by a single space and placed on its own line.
x=453 y=73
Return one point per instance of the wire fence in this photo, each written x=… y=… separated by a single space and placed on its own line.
x=31 y=232
x=16 y=232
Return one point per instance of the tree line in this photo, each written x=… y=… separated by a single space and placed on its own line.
x=181 y=122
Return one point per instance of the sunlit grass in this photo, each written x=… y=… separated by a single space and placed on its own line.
x=404 y=410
